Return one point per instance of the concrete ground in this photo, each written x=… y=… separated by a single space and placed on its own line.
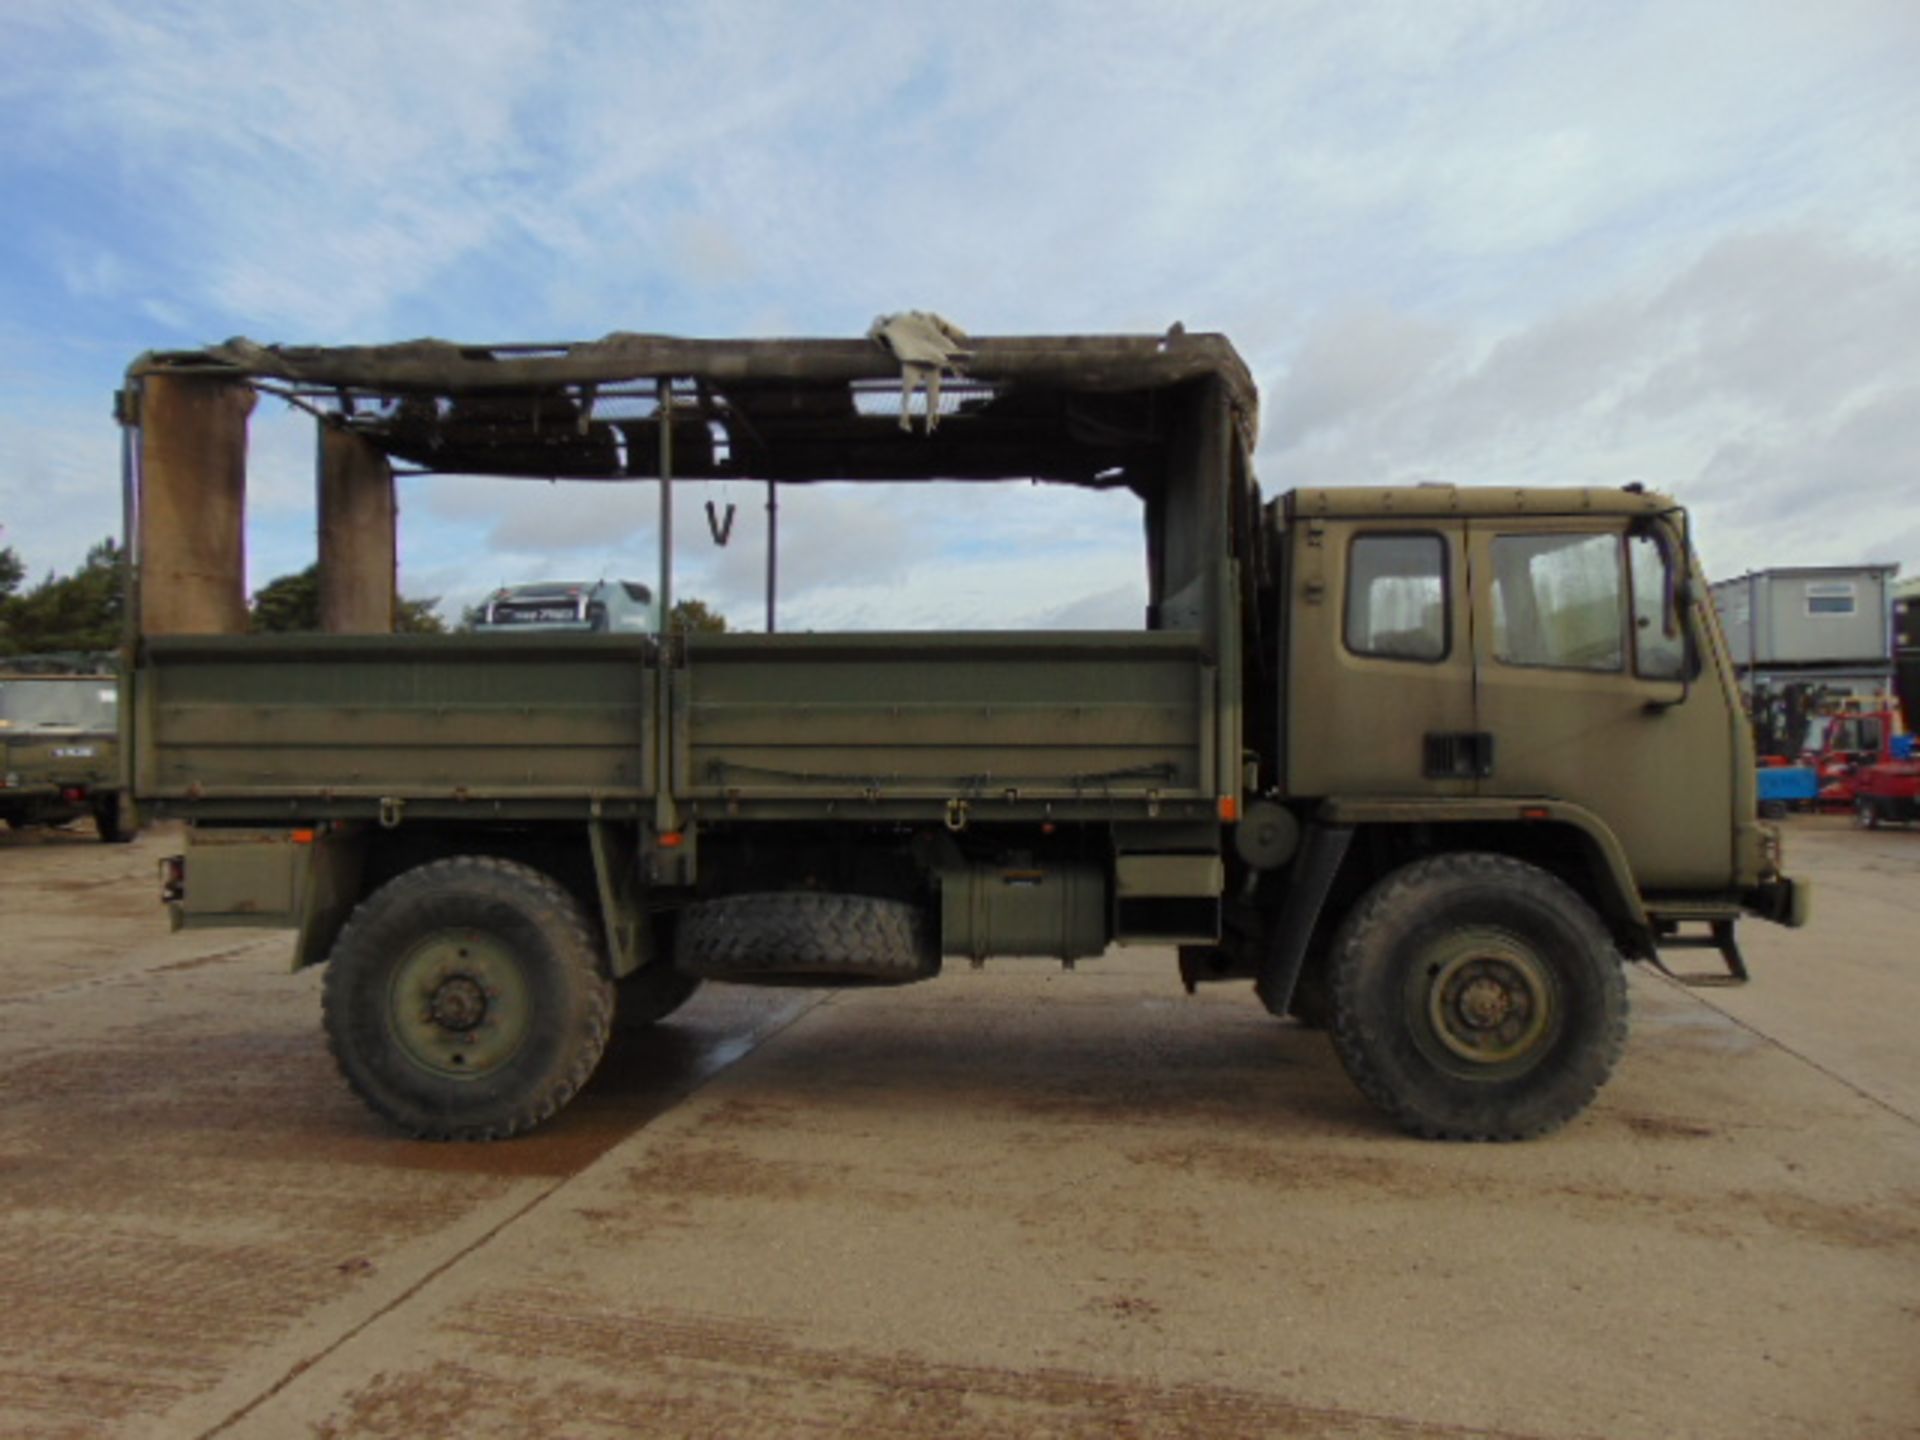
x=1012 y=1202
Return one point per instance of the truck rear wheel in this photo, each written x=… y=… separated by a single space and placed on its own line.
x=465 y=1000
x=1476 y=997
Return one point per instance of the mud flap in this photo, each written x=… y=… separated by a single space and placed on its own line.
x=1314 y=868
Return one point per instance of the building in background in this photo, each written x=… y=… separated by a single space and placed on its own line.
x=1906 y=648
x=1804 y=640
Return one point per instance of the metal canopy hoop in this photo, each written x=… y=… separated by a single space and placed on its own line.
x=1081 y=410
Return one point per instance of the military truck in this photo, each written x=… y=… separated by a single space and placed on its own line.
x=60 y=751
x=1426 y=764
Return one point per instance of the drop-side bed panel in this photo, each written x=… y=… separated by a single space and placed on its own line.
x=402 y=716
x=895 y=716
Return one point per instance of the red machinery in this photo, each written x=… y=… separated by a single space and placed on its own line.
x=1863 y=751
x=1887 y=791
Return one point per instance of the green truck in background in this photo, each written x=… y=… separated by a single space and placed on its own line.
x=60 y=751
x=1424 y=764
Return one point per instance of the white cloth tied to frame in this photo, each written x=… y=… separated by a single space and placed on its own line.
x=925 y=344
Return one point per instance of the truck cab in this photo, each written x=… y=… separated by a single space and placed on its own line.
x=1471 y=649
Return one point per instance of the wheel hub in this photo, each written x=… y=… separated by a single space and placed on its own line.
x=458 y=1004
x=1488 y=999
x=1485 y=1003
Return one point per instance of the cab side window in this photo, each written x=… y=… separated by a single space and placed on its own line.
x=1397 y=597
x=1558 y=601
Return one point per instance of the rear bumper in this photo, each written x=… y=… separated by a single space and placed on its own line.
x=1783 y=900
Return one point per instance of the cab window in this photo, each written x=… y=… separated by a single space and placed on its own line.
x=1397 y=597
x=1558 y=601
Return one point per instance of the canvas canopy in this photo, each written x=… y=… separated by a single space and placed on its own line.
x=1087 y=409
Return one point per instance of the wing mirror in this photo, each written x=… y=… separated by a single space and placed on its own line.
x=1681 y=597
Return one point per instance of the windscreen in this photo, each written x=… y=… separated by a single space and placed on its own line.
x=88 y=702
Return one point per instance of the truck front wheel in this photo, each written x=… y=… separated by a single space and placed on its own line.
x=1476 y=997
x=465 y=999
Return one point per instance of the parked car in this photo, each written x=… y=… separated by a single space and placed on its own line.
x=1889 y=789
x=621 y=606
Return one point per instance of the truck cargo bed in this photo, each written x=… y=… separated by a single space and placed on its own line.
x=777 y=725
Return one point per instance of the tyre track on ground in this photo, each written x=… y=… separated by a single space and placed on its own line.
x=722 y=1057
x=193 y=1210
x=143 y=972
x=1694 y=994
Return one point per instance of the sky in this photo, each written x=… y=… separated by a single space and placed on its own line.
x=1507 y=243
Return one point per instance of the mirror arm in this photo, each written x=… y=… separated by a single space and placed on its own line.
x=1684 y=601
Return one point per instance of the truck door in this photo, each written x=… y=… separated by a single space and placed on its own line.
x=1380 y=660
x=1581 y=660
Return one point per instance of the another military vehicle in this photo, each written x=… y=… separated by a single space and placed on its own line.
x=1428 y=763
x=60 y=751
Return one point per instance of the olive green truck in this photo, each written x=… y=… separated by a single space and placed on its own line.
x=59 y=750
x=1424 y=765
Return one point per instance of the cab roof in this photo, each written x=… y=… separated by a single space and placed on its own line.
x=1441 y=501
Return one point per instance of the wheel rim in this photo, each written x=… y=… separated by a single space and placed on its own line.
x=458 y=1004
x=1481 y=1003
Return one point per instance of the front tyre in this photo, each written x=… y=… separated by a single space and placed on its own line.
x=1476 y=997
x=465 y=999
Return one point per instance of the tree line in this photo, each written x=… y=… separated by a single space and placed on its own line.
x=77 y=612
x=83 y=612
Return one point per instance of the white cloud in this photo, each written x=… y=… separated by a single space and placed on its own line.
x=1477 y=242
x=1766 y=381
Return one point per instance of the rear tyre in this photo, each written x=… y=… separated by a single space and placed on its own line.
x=1477 y=998
x=464 y=1000
x=806 y=937
x=1866 y=813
